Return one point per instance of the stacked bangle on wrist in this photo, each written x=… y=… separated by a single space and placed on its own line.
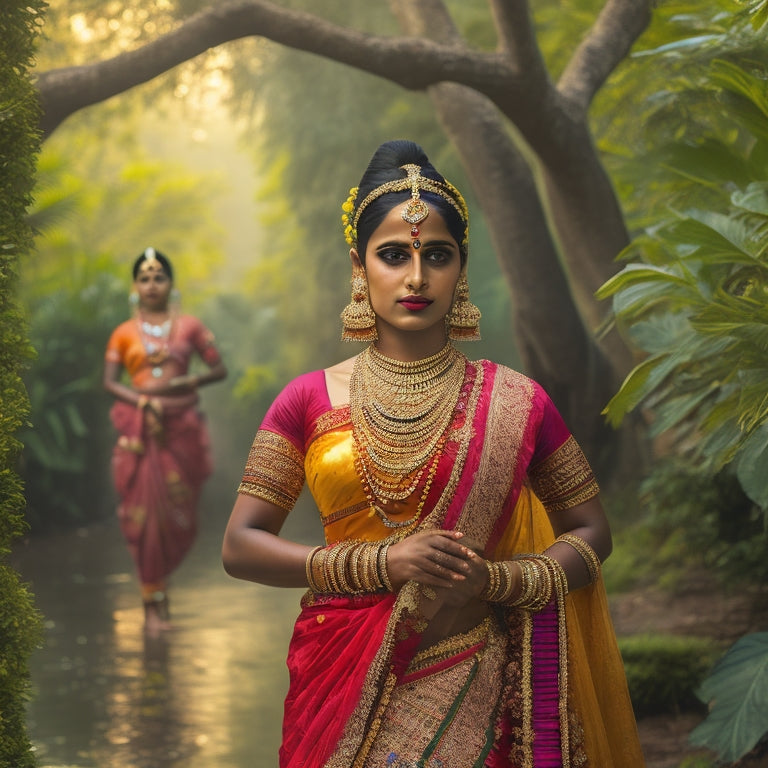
x=541 y=579
x=588 y=555
x=349 y=568
x=500 y=585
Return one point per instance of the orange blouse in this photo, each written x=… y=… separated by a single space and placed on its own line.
x=187 y=335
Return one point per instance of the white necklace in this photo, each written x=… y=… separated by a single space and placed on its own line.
x=155 y=338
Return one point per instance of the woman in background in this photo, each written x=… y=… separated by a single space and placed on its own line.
x=455 y=616
x=161 y=459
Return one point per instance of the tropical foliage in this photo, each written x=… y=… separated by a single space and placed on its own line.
x=694 y=299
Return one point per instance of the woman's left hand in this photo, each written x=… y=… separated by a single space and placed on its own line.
x=467 y=590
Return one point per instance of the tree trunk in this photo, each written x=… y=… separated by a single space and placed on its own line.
x=554 y=345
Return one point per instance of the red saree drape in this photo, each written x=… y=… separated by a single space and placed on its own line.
x=158 y=477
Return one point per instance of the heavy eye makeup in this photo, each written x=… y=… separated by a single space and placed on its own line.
x=158 y=278
x=436 y=254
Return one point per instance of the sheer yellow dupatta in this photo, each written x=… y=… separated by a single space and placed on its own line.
x=597 y=686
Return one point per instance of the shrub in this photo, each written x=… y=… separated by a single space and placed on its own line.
x=19 y=144
x=665 y=671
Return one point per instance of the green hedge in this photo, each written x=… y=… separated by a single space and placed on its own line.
x=20 y=625
x=664 y=671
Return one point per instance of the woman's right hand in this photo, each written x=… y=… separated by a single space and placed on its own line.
x=432 y=558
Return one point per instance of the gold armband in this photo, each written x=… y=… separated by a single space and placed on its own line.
x=588 y=555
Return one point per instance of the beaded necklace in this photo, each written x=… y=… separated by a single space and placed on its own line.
x=155 y=339
x=401 y=413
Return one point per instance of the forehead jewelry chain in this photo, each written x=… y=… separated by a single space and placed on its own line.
x=415 y=210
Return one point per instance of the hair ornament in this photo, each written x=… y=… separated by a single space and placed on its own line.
x=151 y=263
x=350 y=233
x=415 y=211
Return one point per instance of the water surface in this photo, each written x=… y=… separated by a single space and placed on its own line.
x=207 y=694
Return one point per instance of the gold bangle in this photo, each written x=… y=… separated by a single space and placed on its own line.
x=372 y=568
x=508 y=587
x=492 y=589
x=588 y=554
x=381 y=562
x=340 y=569
x=355 y=579
x=308 y=568
x=318 y=570
x=329 y=566
x=542 y=577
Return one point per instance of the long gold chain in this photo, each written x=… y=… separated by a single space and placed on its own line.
x=400 y=414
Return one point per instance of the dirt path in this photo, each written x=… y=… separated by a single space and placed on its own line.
x=698 y=609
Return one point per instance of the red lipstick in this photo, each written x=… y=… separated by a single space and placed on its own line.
x=414 y=303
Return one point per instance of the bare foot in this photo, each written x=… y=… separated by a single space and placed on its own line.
x=156 y=618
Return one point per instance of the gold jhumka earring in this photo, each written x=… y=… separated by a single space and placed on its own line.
x=464 y=317
x=357 y=318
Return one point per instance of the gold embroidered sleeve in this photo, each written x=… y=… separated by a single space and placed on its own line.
x=564 y=479
x=274 y=470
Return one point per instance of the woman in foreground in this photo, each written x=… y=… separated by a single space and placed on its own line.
x=455 y=616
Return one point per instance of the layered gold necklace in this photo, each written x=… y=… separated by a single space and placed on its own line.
x=401 y=413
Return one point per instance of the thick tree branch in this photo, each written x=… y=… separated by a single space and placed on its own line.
x=517 y=37
x=610 y=39
x=411 y=62
x=429 y=19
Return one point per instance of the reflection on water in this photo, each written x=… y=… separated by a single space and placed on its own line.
x=208 y=694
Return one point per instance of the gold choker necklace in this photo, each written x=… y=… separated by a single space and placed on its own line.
x=400 y=413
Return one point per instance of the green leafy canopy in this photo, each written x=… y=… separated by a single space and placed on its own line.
x=695 y=299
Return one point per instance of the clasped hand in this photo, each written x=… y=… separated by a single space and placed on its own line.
x=445 y=560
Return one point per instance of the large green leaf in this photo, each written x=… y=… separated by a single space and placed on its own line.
x=709 y=161
x=637 y=300
x=715 y=235
x=737 y=691
x=736 y=79
x=640 y=273
x=752 y=467
x=631 y=393
x=754 y=333
x=759 y=12
x=678 y=46
x=676 y=410
x=642 y=380
x=754 y=198
x=660 y=333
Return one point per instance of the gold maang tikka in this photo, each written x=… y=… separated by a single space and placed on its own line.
x=416 y=209
x=151 y=263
